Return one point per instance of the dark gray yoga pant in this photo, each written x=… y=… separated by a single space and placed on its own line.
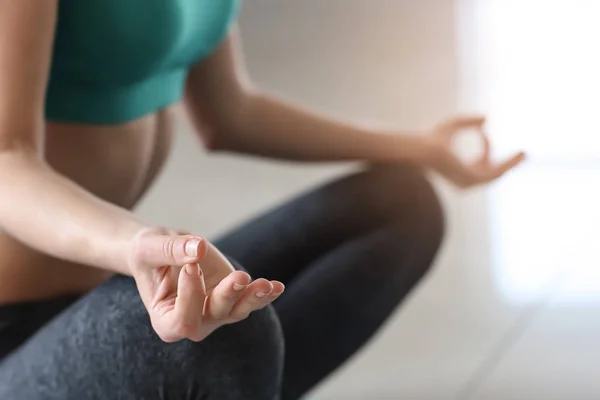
x=348 y=252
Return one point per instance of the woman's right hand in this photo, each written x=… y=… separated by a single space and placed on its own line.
x=189 y=288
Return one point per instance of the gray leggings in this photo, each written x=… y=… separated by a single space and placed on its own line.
x=349 y=252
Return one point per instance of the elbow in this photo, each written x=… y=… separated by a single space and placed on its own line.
x=15 y=163
x=16 y=148
x=214 y=139
x=229 y=127
x=14 y=158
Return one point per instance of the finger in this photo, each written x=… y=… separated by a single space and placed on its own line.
x=278 y=289
x=226 y=294
x=506 y=166
x=189 y=304
x=255 y=297
x=484 y=158
x=454 y=125
x=167 y=249
x=457 y=172
x=164 y=290
x=463 y=122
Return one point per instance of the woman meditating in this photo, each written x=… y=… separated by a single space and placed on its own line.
x=98 y=304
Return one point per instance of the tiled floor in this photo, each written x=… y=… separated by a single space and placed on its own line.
x=517 y=320
x=556 y=357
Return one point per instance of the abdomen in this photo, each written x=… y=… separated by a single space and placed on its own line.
x=115 y=163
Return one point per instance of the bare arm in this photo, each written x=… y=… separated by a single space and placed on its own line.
x=232 y=116
x=37 y=205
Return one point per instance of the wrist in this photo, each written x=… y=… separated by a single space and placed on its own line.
x=121 y=247
x=413 y=148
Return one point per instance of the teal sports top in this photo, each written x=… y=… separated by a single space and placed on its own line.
x=117 y=60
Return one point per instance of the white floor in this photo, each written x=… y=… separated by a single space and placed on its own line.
x=517 y=320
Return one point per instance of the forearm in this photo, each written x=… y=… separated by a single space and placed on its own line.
x=52 y=214
x=272 y=128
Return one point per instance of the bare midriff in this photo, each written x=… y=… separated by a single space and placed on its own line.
x=115 y=162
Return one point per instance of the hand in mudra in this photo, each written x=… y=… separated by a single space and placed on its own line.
x=189 y=288
x=441 y=157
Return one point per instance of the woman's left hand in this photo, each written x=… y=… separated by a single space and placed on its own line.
x=438 y=154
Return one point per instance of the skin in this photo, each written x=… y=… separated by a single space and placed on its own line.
x=65 y=224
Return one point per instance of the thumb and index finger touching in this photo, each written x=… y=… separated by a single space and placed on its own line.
x=158 y=249
x=186 y=294
x=483 y=170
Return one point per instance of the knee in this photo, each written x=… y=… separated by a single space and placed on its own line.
x=249 y=350
x=414 y=219
x=404 y=195
x=398 y=209
x=244 y=358
x=241 y=360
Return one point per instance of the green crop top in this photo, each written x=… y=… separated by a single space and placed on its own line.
x=117 y=60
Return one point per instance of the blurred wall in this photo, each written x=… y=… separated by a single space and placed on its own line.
x=382 y=60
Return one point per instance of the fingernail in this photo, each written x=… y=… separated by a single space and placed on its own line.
x=191 y=247
x=238 y=288
x=260 y=294
x=193 y=270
